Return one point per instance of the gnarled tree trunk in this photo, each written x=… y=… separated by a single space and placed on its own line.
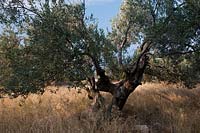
x=121 y=91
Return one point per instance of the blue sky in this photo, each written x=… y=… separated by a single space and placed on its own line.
x=103 y=10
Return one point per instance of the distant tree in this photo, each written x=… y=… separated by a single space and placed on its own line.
x=9 y=48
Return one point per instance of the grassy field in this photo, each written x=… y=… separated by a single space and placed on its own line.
x=163 y=108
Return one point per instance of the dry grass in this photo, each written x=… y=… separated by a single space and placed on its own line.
x=163 y=108
x=166 y=108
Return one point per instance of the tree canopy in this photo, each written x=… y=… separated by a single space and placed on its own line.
x=53 y=42
x=172 y=26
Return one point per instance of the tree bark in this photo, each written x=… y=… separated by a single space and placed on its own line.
x=121 y=91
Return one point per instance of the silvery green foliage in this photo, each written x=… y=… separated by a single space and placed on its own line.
x=172 y=26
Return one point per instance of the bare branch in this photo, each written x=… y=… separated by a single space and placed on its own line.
x=120 y=46
x=145 y=47
x=30 y=10
x=95 y=62
x=181 y=52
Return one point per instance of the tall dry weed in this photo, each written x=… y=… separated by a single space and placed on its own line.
x=160 y=107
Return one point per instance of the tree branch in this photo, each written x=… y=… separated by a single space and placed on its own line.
x=30 y=10
x=95 y=62
x=120 y=46
x=145 y=47
x=182 y=52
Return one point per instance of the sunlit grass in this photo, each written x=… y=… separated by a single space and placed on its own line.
x=161 y=107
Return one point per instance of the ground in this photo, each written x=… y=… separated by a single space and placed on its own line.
x=160 y=107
